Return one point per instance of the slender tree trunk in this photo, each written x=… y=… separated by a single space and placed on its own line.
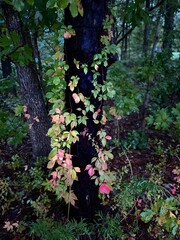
x=169 y=25
x=82 y=47
x=36 y=113
x=37 y=55
x=157 y=32
x=146 y=32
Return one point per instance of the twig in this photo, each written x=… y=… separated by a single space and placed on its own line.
x=130 y=165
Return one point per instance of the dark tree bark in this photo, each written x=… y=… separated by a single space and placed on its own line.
x=37 y=116
x=169 y=25
x=5 y=64
x=6 y=67
x=124 y=45
x=82 y=47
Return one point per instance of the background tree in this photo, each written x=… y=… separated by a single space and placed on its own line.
x=35 y=108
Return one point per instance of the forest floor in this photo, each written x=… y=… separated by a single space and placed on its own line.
x=155 y=148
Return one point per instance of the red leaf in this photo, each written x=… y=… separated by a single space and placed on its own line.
x=104 y=189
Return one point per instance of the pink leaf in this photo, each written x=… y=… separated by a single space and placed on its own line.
x=26 y=115
x=61 y=119
x=54 y=174
x=68 y=156
x=88 y=167
x=76 y=98
x=173 y=191
x=104 y=166
x=55 y=118
x=68 y=163
x=139 y=201
x=91 y=171
x=67 y=35
x=104 y=189
x=60 y=154
x=57 y=110
x=108 y=137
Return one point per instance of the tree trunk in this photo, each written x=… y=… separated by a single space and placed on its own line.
x=146 y=32
x=169 y=25
x=36 y=113
x=156 y=32
x=82 y=47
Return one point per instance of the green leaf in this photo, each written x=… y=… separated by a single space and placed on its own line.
x=96 y=121
x=18 y=5
x=63 y=3
x=38 y=17
x=52 y=153
x=103 y=142
x=51 y=4
x=73 y=175
x=18 y=110
x=4 y=41
x=73 y=9
x=56 y=80
x=80 y=9
x=31 y=2
x=85 y=70
x=147 y=215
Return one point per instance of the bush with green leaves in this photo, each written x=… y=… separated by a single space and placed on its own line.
x=108 y=227
x=165 y=119
x=148 y=200
x=50 y=230
x=13 y=128
x=128 y=191
x=127 y=97
x=135 y=139
x=164 y=213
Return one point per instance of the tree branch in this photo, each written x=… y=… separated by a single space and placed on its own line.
x=131 y=29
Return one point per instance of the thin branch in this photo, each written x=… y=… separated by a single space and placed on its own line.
x=130 y=30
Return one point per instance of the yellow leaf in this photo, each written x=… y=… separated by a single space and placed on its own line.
x=50 y=164
x=96 y=67
x=77 y=169
x=73 y=175
x=172 y=215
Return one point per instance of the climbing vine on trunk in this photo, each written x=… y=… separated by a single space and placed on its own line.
x=79 y=155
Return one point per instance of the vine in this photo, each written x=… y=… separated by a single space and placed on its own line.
x=64 y=132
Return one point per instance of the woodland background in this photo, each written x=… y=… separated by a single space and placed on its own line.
x=130 y=115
